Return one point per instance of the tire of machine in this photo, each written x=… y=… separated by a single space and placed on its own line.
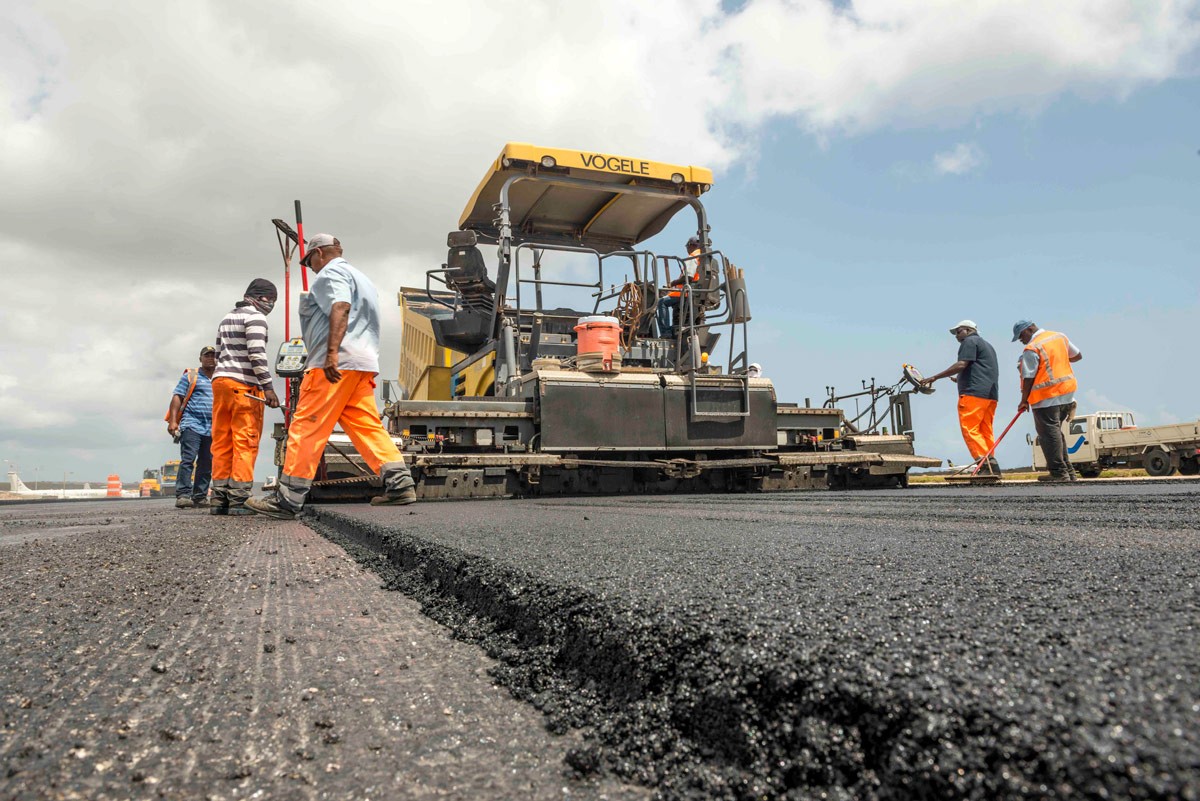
x=1090 y=471
x=1158 y=464
x=1189 y=467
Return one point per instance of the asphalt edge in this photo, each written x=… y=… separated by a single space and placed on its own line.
x=644 y=695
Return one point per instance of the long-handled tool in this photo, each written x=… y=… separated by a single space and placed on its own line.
x=300 y=245
x=989 y=477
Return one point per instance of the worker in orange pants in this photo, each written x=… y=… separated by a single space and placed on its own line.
x=978 y=375
x=975 y=416
x=350 y=402
x=242 y=374
x=340 y=320
x=239 y=420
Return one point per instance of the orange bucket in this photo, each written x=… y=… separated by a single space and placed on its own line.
x=598 y=334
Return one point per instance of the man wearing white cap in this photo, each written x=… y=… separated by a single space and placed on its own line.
x=978 y=376
x=340 y=321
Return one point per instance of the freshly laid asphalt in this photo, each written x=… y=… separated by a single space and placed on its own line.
x=1022 y=642
x=1005 y=642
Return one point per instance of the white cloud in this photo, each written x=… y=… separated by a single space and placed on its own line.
x=875 y=63
x=1090 y=400
x=145 y=147
x=959 y=160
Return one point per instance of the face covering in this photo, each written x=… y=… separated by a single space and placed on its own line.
x=263 y=306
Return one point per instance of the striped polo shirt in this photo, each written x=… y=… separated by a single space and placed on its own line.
x=242 y=347
x=197 y=415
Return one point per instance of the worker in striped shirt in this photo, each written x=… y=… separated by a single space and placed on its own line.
x=241 y=387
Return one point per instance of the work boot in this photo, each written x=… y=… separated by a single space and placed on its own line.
x=218 y=509
x=183 y=502
x=401 y=498
x=235 y=509
x=268 y=506
x=993 y=465
x=1054 y=478
x=200 y=503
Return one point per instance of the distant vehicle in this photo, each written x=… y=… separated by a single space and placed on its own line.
x=1112 y=439
x=168 y=476
x=151 y=486
x=113 y=490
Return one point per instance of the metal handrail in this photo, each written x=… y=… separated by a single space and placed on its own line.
x=429 y=292
x=733 y=323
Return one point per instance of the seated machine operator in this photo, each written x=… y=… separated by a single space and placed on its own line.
x=666 y=328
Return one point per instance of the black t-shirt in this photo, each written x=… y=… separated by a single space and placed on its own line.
x=981 y=377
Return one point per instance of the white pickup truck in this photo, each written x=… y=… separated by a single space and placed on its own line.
x=1111 y=439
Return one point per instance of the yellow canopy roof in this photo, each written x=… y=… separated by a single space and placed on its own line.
x=587 y=215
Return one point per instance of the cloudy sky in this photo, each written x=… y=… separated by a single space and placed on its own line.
x=884 y=169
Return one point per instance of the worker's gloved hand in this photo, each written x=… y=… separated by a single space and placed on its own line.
x=271 y=398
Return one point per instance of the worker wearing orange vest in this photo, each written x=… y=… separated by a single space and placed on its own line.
x=1048 y=390
x=671 y=301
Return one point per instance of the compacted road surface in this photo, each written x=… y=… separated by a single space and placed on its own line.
x=155 y=653
x=1006 y=642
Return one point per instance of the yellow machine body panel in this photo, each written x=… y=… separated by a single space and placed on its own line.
x=477 y=379
x=596 y=219
x=424 y=365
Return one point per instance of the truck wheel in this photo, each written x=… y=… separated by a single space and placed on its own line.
x=1158 y=464
x=1091 y=471
x=1189 y=467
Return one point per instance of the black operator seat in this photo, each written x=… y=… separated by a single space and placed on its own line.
x=470 y=326
x=465 y=270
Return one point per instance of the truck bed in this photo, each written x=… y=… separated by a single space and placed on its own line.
x=1172 y=436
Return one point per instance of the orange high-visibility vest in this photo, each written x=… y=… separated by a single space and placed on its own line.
x=1054 y=375
x=695 y=279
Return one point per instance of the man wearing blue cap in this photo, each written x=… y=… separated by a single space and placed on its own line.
x=1048 y=390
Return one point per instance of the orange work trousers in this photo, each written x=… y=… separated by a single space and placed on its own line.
x=975 y=416
x=237 y=424
x=322 y=405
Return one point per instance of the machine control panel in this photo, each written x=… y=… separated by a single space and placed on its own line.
x=292 y=358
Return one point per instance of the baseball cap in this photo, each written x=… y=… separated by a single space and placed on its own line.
x=317 y=241
x=207 y=349
x=964 y=324
x=1018 y=327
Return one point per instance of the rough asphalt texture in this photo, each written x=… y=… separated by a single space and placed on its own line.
x=153 y=653
x=981 y=643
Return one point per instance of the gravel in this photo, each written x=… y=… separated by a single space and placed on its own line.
x=155 y=653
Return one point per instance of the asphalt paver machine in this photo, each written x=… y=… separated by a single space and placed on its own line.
x=541 y=357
